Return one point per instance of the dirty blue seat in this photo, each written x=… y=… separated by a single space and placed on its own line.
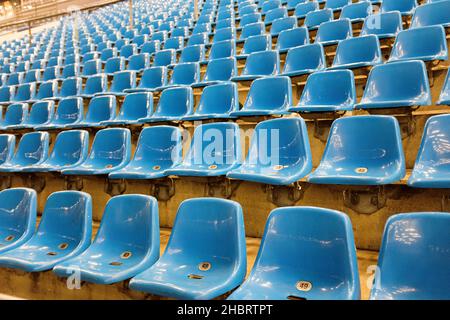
x=41 y=113
x=282 y=24
x=95 y=85
x=7 y=147
x=70 y=149
x=279 y=153
x=32 y=150
x=444 y=97
x=302 y=9
x=184 y=74
x=138 y=62
x=114 y=65
x=383 y=25
x=327 y=91
x=430 y=14
x=195 y=53
x=159 y=148
x=64 y=232
x=330 y=33
x=417 y=242
x=24 y=92
x=357 y=12
x=431 y=169
x=122 y=81
x=174 y=103
x=17 y=216
x=218 y=70
x=164 y=58
x=204 y=264
x=357 y=52
x=291 y=38
x=91 y=68
x=254 y=44
x=397 y=84
x=314 y=18
x=336 y=5
x=135 y=106
x=101 y=108
x=69 y=111
x=151 y=79
x=70 y=87
x=305 y=253
x=425 y=43
x=203 y=160
x=252 y=29
x=217 y=102
x=260 y=64
x=267 y=96
x=362 y=150
x=126 y=244
x=15 y=115
x=304 y=59
x=406 y=7
x=6 y=93
x=111 y=150
x=221 y=49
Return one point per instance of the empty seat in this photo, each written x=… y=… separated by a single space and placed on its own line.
x=282 y=24
x=32 y=150
x=279 y=153
x=330 y=33
x=32 y=76
x=101 y=108
x=71 y=70
x=15 y=79
x=195 y=53
x=7 y=147
x=362 y=150
x=159 y=148
x=24 y=92
x=315 y=18
x=51 y=73
x=203 y=264
x=383 y=25
x=15 y=115
x=215 y=150
x=174 y=104
x=64 y=232
x=426 y=43
x=128 y=50
x=224 y=34
x=69 y=111
x=302 y=9
x=95 y=85
x=304 y=59
x=357 y=52
x=218 y=70
x=47 y=90
x=17 y=216
x=399 y=84
x=255 y=44
x=111 y=150
x=184 y=74
x=275 y=14
x=41 y=113
x=444 y=97
x=70 y=149
x=122 y=81
x=91 y=68
x=336 y=5
x=357 y=12
x=418 y=242
x=152 y=78
x=260 y=64
x=252 y=29
x=221 y=49
x=114 y=65
x=406 y=7
x=306 y=253
x=135 y=106
x=431 y=14
x=199 y=38
x=217 y=102
x=6 y=93
x=150 y=47
x=291 y=38
x=164 y=58
x=126 y=244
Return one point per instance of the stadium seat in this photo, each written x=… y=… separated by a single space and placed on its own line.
x=426 y=43
x=260 y=64
x=69 y=112
x=101 y=108
x=184 y=74
x=150 y=47
x=279 y=153
x=291 y=38
x=126 y=244
x=337 y=5
x=314 y=18
x=302 y=9
x=164 y=58
x=204 y=264
x=304 y=59
x=110 y=151
x=267 y=96
x=113 y=65
x=417 y=242
x=406 y=7
x=71 y=70
x=252 y=29
x=51 y=73
x=357 y=52
x=135 y=106
x=328 y=91
x=64 y=232
x=307 y=253
x=175 y=43
x=254 y=44
x=159 y=148
x=357 y=12
x=6 y=93
x=122 y=81
x=383 y=25
x=291 y=4
x=430 y=14
x=32 y=76
x=91 y=68
x=95 y=85
x=70 y=87
x=24 y=92
x=17 y=217
x=218 y=70
x=444 y=97
x=32 y=150
x=199 y=38
x=47 y=90
x=152 y=78
x=221 y=49
x=15 y=79
x=15 y=115
x=362 y=150
x=399 y=84
x=331 y=32
x=7 y=147
x=41 y=113
x=195 y=53
x=281 y=24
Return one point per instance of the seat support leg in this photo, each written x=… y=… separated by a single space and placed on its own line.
x=283 y=196
x=163 y=189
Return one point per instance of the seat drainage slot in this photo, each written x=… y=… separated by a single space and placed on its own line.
x=9 y=238
x=291 y=297
x=116 y=263
x=51 y=253
x=195 y=276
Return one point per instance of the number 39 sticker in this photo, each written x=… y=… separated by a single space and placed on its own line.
x=303 y=285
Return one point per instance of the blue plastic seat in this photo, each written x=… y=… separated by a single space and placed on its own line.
x=91 y=68
x=304 y=59
x=17 y=216
x=426 y=43
x=150 y=47
x=252 y=29
x=302 y=9
x=222 y=49
x=291 y=38
x=444 y=97
x=51 y=73
x=260 y=64
x=247 y=19
x=399 y=84
x=32 y=150
x=69 y=112
x=64 y=232
x=199 y=38
x=7 y=147
x=47 y=90
x=275 y=14
x=314 y=18
x=164 y=58
x=279 y=153
x=383 y=25
x=15 y=115
x=41 y=113
x=6 y=93
x=255 y=44
x=306 y=253
x=24 y=92
x=70 y=87
x=406 y=7
x=114 y=65
x=218 y=70
x=357 y=52
x=70 y=149
x=32 y=76
x=215 y=150
x=151 y=79
x=431 y=14
x=15 y=79
x=128 y=50
x=282 y=24
x=291 y=4
x=126 y=244
x=270 y=5
x=184 y=74
x=328 y=91
x=135 y=106
x=431 y=169
x=357 y=12
x=417 y=242
x=175 y=43
x=362 y=150
x=71 y=70
x=110 y=151
x=101 y=108
x=174 y=104
x=159 y=148
x=202 y=28
x=195 y=53
x=337 y=5
x=122 y=81
x=95 y=85
x=224 y=34
x=204 y=264
x=330 y=33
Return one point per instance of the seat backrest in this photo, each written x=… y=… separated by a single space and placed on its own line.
x=383 y=25
x=357 y=11
x=273 y=93
x=101 y=108
x=257 y=43
x=281 y=24
x=153 y=77
x=221 y=69
x=111 y=146
x=96 y=84
x=114 y=65
x=123 y=80
x=69 y=110
x=404 y=6
x=221 y=98
x=92 y=67
x=70 y=147
x=264 y=63
x=252 y=29
x=32 y=148
x=292 y=38
x=363 y=49
x=47 y=89
x=333 y=31
x=15 y=114
x=164 y=58
x=41 y=112
x=185 y=73
x=430 y=14
x=314 y=18
x=307 y=57
x=7 y=147
x=176 y=101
